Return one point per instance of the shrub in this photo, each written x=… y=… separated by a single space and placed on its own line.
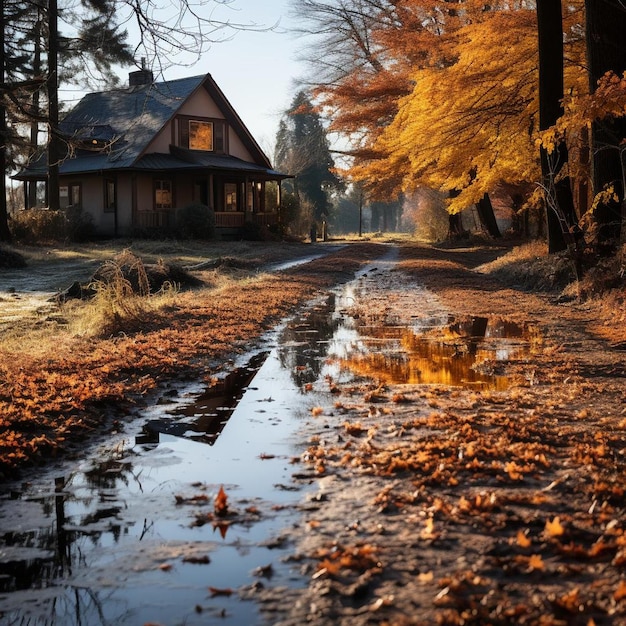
x=78 y=225
x=195 y=221
x=37 y=225
x=34 y=226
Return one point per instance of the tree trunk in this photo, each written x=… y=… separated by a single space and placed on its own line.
x=54 y=152
x=487 y=216
x=605 y=27
x=455 y=226
x=5 y=233
x=31 y=200
x=560 y=213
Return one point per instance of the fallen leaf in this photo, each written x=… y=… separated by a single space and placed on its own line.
x=425 y=577
x=220 y=592
x=554 y=528
x=513 y=470
x=199 y=499
x=522 y=540
x=570 y=601
x=620 y=592
x=381 y=602
x=428 y=532
x=535 y=562
x=198 y=560
x=221 y=502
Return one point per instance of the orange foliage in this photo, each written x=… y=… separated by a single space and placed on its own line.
x=45 y=400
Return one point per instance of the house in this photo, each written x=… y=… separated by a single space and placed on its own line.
x=138 y=155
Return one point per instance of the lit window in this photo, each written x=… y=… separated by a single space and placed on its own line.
x=200 y=135
x=230 y=193
x=163 y=194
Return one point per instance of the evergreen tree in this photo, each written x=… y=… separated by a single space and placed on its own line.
x=302 y=149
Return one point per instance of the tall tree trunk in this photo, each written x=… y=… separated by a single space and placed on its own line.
x=31 y=200
x=487 y=216
x=560 y=213
x=54 y=152
x=606 y=27
x=5 y=233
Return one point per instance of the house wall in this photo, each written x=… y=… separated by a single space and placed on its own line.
x=92 y=203
x=236 y=147
x=202 y=105
x=124 y=205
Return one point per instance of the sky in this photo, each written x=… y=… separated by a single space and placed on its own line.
x=255 y=70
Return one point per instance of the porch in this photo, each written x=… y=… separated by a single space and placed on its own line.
x=225 y=221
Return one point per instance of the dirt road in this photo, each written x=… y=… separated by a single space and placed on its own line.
x=445 y=504
x=495 y=500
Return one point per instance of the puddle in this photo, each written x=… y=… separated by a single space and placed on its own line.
x=470 y=353
x=130 y=535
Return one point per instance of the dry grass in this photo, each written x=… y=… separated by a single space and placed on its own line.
x=531 y=267
x=56 y=384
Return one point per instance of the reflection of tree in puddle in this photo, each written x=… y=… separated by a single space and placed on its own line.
x=205 y=418
x=463 y=353
x=43 y=559
x=303 y=344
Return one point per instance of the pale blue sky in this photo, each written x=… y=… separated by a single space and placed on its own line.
x=255 y=70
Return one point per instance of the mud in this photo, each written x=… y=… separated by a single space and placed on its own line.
x=426 y=446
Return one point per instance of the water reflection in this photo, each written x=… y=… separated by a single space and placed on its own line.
x=88 y=550
x=205 y=417
x=467 y=352
x=304 y=342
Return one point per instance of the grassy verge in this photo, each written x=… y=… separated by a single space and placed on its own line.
x=67 y=385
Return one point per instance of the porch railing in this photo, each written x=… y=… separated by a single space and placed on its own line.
x=223 y=219
x=154 y=219
x=237 y=219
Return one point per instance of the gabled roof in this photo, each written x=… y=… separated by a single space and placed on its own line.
x=128 y=119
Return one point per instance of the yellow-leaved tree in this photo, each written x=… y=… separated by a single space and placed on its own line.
x=472 y=124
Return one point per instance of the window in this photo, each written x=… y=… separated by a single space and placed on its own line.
x=200 y=135
x=230 y=196
x=110 y=195
x=162 y=194
x=69 y=195
x=219 y=137
x=209 y=135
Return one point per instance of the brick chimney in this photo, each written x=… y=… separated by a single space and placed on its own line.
x=144 y=76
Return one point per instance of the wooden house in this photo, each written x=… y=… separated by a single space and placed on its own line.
x=138 y=155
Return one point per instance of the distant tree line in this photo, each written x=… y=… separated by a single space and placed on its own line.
x=431 y=95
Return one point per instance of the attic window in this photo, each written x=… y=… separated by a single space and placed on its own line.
x=200 y=135
x=208 y=135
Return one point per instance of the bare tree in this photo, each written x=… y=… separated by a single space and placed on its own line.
x=166 y=36
x=181 y=28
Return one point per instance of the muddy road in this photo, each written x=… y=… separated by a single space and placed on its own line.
x=417 y=445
